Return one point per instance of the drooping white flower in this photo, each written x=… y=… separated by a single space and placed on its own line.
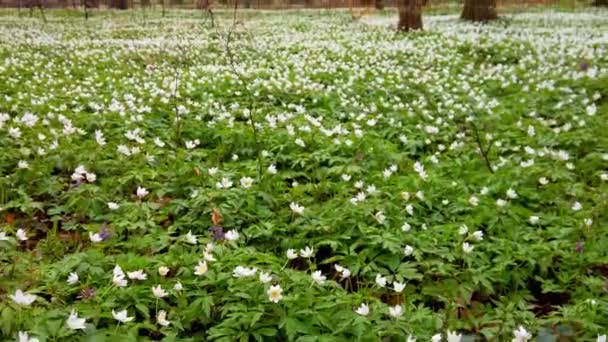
x=137 y=275
x=511 y=193
x=272 y=169
x=191 y=238
x=395 y=311
x=265 y=277
x=463 y=229
x=119 y=277
x=406 y=227
x=246 y=182
x=296 y=208
x=25 y=337
x=307 y=252
x=521 y=335
x=474 y=201
x=275 y=293
x=379 y=216
x=141 y=192
x=161 y=318
x=242 y=272
x=21 y=235
x=398 y=287
x=408 y=250
x=74 y=322
x=95 y=237
x=72 y=278
x=178 y=286
x=122 y=316
x=231 y=235
x=163 y=270
x=99 y=138
x=543 y=181
x=477 y=235
x=208 y=256
x=467 y=247
x=453 y=336
x=291 y=254
x=380 y=280
x=159 y=292
x=318 y=277
x=201 y=268
x=22 y=298
x=362 y=310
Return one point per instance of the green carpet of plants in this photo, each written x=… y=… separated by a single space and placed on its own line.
x=298 y=176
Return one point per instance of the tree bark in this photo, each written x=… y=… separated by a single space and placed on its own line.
x=410 y=14
x=119 y=4
x=600 y=3
x=479 y=10
x=379 y=4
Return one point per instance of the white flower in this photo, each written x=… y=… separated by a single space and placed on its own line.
x=411 y=339
x=208 y=256
x=398 y=287
x=467 y=248
x=521 y=335
x=74 y=322
x=477 y=235
x=95 y=237
x=191 y=238
x=272 y=169
x=395 y=311
x=346 y=177
x=296 y=208
x=463 y=229
x=246 y=182
x=591 y=109
x=178 y=286
x=380 y=280
x=410 y=209
x=141 y=192
x=291 y=254
x=99 y=138
x=511 y=193
x=275 y=293
x=436 y=338
x=420 y=195
x=159 y=292
x=163 y=270
x=212 y=171
x=242 y=272
x=501 y=202
x=300 y=142
x=344 y=272
x=371 y=189
x=231 y=235
x=533 y=219
x=225 y=183
x=21 y=235
x=406 y=227
x=604 y=176
x=307 y=252
x=22 y=298
x=72 y=278
x=577 y=206
x=484 y=190
x=265 y=277
x=121 y=316
x=363 y=310
x=359 y=184
x=379 y=216
x=318 y=277
x=588 y=222
x=24 y=337
x=161 y=318
x=201 y=268
x=91 y=177
x=3 y=236
x=543 y=181
x=601 y=338
x=408 y=250
x=113 y=205
x=119 y=277
x=137 y=275
x=474 y=201
x=453 y=336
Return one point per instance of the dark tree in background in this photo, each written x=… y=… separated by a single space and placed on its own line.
x=410 y=14
x=378 y=4
x=479 y=10
x=119 y=4
x=600 y=3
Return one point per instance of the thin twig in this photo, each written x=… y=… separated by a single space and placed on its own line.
x=484 y=153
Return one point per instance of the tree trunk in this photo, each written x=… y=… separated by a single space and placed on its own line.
x=410 y=15
x=379 y=4
x=600 y=3
x=479 y=10
x=119 y=4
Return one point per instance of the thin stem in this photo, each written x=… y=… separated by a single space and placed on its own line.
x=484 y=153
